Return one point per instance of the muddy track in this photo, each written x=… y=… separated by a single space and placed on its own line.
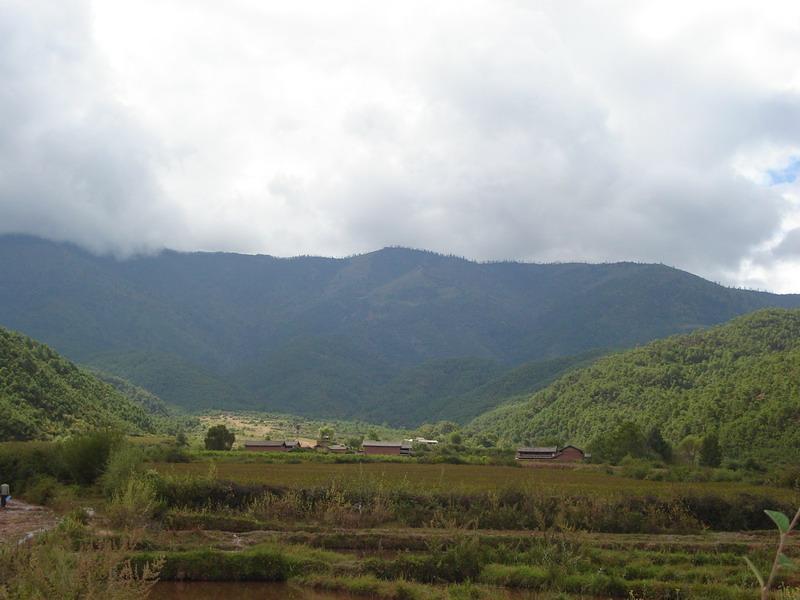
x=19 y=520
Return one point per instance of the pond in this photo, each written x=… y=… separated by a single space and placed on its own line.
x=240 y=590
x=254 y=590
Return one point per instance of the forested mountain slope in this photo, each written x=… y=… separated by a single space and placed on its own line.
x=333 y=337
x=509 y=385
x=741 y=380
x=43 y=394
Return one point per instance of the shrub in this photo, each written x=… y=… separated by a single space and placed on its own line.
x=214 y=565
x=123 y=463
x=635 y=468
x=85 y=456
x=53 y=567
x=134 y=504
x=710 y=452
x=219 y=438
x=43 y=490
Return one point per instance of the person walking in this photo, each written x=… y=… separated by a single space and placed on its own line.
x=5 y=494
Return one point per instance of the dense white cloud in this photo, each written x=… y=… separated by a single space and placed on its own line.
x=494 y=129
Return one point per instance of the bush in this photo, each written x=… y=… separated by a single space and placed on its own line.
x=635 y=468
x=214 y=565
x=123 y=463
x=134 y=504
x=42 y=490
x=219 y=438
x=85 y=456
x=23 y=462
x=63 y=564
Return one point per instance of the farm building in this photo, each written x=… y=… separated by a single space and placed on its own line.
x=375 y=447
x=553 y=453
x=337 y=448
x=424 y=442
x=271 y=445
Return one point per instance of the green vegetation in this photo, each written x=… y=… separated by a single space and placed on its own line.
x=393 y=334
x=781 y=562
x=219 y=438
x=68 y=563
x=738 y=382
x=485 y=497
x=514 y=383
x=43 y=395
x=394 y=530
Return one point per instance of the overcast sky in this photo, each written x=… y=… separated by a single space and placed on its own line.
x=547 y=131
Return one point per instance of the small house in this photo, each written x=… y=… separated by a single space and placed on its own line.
x=396 y=448
x=337 y=448
x=537 y=453
x=270 y=445
x=551 y=453
x=571 y=454
x=425 y=442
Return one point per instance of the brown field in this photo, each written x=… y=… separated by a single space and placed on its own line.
x=446 y=477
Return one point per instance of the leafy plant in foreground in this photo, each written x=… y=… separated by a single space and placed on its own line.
x=785 y=528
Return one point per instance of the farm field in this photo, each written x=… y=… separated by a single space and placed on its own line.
x=460 y=478
x=238 y=524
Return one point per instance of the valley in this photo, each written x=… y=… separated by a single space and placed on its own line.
x=208 y=431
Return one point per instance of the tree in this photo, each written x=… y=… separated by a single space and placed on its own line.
x=626 y=439
x=689 y=447
x=219 y=438
x=710 y=452
x=180 y=440
x=657 y=443
x=455 y=438
x=445 y=427
x=488 y=440
x=325 y=434
x=373 y=435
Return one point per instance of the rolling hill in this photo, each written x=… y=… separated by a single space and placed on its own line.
x=43 y=395
x=381 y=333
x=741 y=380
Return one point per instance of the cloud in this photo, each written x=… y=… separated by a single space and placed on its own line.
x=74 y=164
x=790 y=245
x=648 y=131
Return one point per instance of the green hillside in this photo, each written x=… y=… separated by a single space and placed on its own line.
x=173 y=378
x=509 y=385
x=333 y=337
x=43 y=395
x=741 y=380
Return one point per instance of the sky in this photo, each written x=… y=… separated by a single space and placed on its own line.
x=493 y=129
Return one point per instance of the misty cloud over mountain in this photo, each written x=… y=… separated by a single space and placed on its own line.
x=490 y=130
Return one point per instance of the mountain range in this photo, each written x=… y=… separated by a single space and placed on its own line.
x=397 y=335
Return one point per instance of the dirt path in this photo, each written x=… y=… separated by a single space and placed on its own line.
x=19 y=519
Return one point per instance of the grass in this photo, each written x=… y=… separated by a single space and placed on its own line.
x=409 y=530
x=574 y=565
x=462 y=478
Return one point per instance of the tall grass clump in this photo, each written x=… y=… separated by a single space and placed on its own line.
x=134 y=504
x=84 y=457
x=62 y=564
x=124 y=462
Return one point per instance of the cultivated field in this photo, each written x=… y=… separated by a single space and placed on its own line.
x=462 y=478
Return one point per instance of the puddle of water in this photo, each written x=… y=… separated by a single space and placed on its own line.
x=241 y=590
x=253 y=590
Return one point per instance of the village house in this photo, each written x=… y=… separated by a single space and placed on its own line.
x=337 y=448
x=375 y=447
x=271 y=445
x=551 y=453
x=425 y=442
